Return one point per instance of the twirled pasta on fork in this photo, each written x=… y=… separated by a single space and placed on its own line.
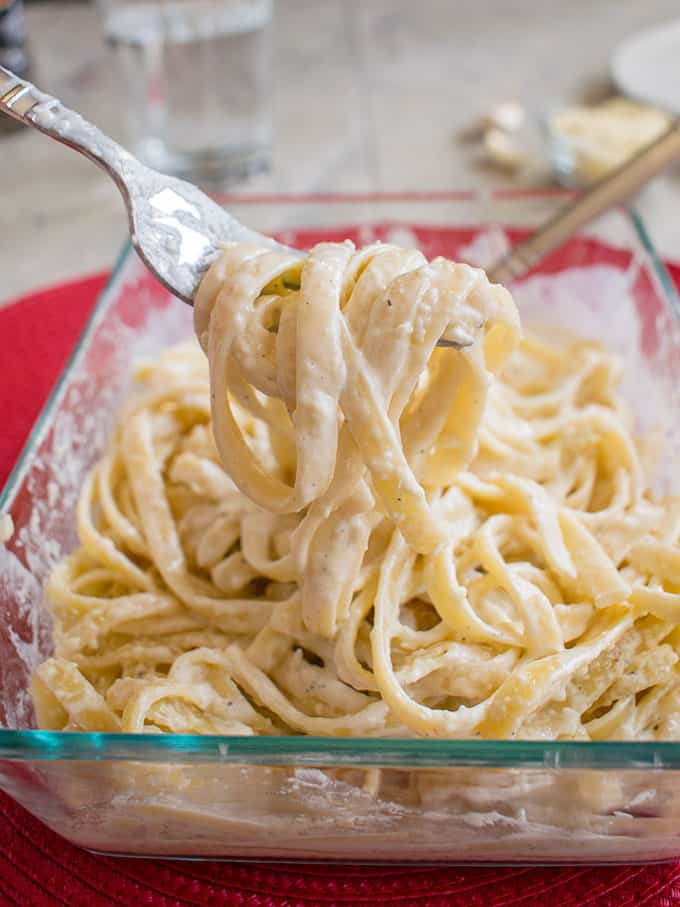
x=331 y=526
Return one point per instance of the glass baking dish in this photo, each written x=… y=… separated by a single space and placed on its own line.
x=465 y=801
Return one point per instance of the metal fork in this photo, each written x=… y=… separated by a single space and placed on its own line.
x=178 y=231
x=174 y=227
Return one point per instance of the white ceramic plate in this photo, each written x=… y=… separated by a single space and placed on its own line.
x=646 y=66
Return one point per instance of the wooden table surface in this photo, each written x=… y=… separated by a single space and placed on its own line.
x=367 y=95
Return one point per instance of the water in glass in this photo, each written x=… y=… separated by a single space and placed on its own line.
x=198 y=80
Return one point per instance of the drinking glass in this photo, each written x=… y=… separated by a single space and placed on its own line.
x=197 y=79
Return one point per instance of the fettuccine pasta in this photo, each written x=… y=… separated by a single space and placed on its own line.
x=329 y=525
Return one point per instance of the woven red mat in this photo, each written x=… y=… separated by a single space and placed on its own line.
x=38 y=868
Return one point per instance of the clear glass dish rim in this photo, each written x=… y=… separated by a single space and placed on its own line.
x=22 y=745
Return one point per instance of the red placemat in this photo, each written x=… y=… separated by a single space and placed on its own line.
x=38 y=868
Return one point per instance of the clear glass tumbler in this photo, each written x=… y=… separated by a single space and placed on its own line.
x=197 y=77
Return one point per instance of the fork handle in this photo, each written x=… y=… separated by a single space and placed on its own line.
x=606 y=193
x=26 y=103
x=17 y=96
